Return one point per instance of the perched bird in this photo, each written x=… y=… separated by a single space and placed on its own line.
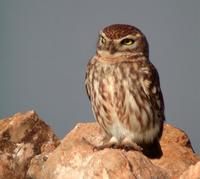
x=124 y=89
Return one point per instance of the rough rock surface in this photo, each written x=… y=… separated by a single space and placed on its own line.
x=30 y=150
x=193 y=172
x=177 y=151
x=22 y=137
x=75 y=158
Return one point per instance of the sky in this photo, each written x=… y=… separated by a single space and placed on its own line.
x=45 y=46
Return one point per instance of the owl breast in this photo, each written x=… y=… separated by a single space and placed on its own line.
x=119 y=103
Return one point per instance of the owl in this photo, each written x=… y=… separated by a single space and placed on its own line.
x=124 y=89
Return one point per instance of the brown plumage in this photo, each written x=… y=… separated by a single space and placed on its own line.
x=124 y=89
x=117 y=31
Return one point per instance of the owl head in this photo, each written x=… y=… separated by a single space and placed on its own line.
x=121 y=39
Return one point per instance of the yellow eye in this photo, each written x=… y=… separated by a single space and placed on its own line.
x=127 y=42
x=102 y=40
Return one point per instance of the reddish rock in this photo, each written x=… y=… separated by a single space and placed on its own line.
x=192 y=173
x=75 y=158
x=178 y=154
x=30 y=150
x=22 y=137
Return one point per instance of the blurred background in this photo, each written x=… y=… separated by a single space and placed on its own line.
x=45 y=46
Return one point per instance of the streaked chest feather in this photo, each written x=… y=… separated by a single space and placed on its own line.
x=119 y=103
x=116 y=88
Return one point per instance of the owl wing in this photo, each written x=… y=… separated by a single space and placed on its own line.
x=87 y=77
x=151 y=85
x=86 y=83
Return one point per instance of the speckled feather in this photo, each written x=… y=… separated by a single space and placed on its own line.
x=117 y=31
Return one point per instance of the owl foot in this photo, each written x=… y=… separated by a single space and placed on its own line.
x=87 y=142
x=112 y=143
x=128 y=144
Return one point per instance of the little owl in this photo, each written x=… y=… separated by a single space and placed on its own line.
x=124 y=89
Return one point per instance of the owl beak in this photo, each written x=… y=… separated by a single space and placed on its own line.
x=112 y=49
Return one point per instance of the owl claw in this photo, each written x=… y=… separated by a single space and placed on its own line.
x=130 y=145
x=133 y=147
x=126 y=145
x=109 y=144
x=88 y=142
x=106 y=145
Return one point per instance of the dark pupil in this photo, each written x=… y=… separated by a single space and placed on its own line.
x=127 y=41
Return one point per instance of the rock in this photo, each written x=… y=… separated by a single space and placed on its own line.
x=75 y=158
x=193 y=172
x=30 y=150
x=178 y=154
x=22 y=137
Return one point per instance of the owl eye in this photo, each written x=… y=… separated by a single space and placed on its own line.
x=127 y=42
x=102 y=40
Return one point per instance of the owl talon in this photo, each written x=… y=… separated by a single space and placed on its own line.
x=112 y=143
x=87 y=142
x=106 y=145
x=133 y=147
x=130 y=145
